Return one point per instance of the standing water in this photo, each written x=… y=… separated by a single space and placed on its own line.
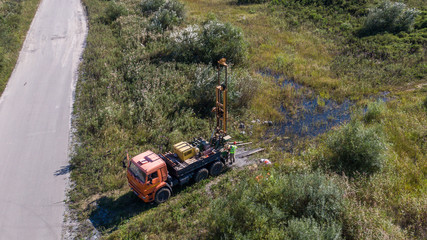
x=314 y=115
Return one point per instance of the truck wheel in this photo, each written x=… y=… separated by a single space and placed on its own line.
x=162 y=195
x=216 y=168
x=201 y=174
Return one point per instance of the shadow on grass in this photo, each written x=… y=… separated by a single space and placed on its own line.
x=110 y=212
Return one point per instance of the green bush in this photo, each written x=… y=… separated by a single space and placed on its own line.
x=170 y=14
x=209 y=43
x=392 y=17
x=112 y=12
x=356 y=149
x=164 y=14
x=374 y=111
x=276 y=205
x=151 y=6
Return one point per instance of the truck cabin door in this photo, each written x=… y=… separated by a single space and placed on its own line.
x=153 y=179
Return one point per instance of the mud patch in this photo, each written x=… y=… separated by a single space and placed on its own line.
x=244 y=157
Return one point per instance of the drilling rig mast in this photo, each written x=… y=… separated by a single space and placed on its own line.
x=220 y=132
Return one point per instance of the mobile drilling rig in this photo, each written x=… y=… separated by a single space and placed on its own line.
x=152 y=176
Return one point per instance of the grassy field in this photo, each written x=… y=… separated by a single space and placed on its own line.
x=15 y=20
x=146 y=83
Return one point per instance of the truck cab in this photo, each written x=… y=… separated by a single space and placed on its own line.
x=147 y=174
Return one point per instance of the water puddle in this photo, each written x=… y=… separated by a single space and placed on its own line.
x=313 y=115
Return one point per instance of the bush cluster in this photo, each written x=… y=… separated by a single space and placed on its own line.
x=356 y=149
x=164 y=13
x=374 y=111
x=150 y=6
x=112 y=12
x=280 y=206
x=208 y=43
x=392 y=17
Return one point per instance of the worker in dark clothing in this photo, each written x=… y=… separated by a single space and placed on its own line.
x=232 y=152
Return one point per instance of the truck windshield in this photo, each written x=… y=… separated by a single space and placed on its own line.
x=138 y=173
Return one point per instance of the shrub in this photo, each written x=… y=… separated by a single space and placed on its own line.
x=170 y=14
x=355 y=148
x=112 y=12
x=374 y=111
x=223 y=40
x=425 y=103
x=392 y=17
x=209 y=43
x=151 y=6
x=262 y=208
x=165 y=13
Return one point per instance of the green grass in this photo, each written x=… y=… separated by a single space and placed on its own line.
x=15 y=20
x=133 y=96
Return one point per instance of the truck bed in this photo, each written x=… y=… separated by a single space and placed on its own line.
x=178 y=168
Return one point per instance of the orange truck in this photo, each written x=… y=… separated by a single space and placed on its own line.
x=152 y=176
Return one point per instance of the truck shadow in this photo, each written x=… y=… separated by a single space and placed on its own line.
x=109 y=212
x=63 y=171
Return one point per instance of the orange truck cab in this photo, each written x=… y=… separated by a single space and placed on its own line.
x=146 y=175
x=152 y=176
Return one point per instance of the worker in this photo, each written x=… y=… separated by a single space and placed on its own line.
x=232 y=152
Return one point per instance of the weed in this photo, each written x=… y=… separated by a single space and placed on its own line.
x=362 y=222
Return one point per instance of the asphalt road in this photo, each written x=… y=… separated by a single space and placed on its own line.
x=35 y=111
